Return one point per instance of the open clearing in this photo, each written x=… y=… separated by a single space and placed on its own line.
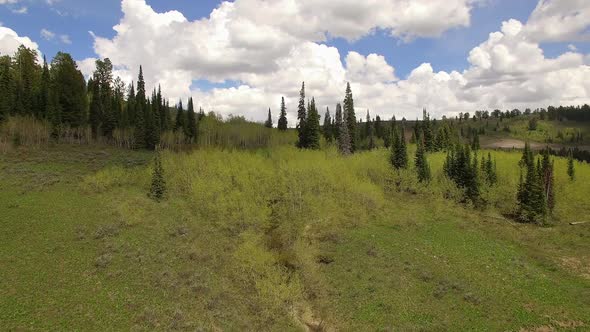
x=267 y=241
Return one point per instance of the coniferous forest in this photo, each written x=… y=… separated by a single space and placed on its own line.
x=122 y=209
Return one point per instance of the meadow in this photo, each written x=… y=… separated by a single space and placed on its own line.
x=281 y=239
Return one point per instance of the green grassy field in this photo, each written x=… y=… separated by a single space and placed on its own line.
x=280 y=240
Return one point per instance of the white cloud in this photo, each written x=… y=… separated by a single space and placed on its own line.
x=10 y=41
x=65 y=39
x=572 y=47
x=21 y=10
x=4 y=2
x=560 y=20
x=47 y=35
x=271 y=54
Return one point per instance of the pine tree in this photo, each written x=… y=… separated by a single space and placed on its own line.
x=131 y=105
x=338 y=122
x=343 y=138
x=158 y=186
x=371 y=133
x=312 y=127
x=571 y=171
x=301 y=118
x=268 y=123
x=180 y=123
x=460 y=167
x=140 y=113
x=6 y=87
x=282 y=125
x=68 y=98
x=378 y=127
x=548 y=178
x=399 y=152
x=426 y=131
x=327 y=127
x=422 y=167
x=42 y=104
x=532 y=202
x=350 y=116
x=191 y=126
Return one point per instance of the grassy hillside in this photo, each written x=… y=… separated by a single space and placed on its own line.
x=279 y=239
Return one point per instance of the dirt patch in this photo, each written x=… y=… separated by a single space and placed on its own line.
x=512 y=143
x=579 y=266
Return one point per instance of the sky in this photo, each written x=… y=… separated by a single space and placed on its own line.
x=240 y=57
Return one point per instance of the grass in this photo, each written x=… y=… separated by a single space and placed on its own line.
x=279 y=239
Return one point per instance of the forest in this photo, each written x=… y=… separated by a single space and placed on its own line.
x=122 y=208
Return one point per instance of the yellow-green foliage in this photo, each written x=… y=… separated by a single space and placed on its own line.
x=547 y=131
x=281 y=240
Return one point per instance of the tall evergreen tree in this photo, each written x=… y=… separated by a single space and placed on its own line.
x=344 y=137
x=6 y=87
x=180 y=123
x=327 y=127
x=350 y=117
x=312 y=127
x=532 y=205
x=268 y=123
x=422 y=167
x=191 y=118
x=131 y=109
x=282 y=125
x=43 y=99
x=338 y=120
x=158 y=186
x=301 y=118
x=95 y=110
x=69 y=91
x=399 y=151
x=378 y=127
x=26 y=74
x=571 y=171
x=141 y=123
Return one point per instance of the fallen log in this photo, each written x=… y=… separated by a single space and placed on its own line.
x=579 y=222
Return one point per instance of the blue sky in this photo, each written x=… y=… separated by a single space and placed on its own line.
x=533 y=51
x=77 y=17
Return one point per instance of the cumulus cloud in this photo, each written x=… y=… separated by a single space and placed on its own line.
x=10 y=41
x=270 y=55
x=560 y=20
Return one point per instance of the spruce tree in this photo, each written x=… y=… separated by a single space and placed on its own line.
x=371 y=133
x=158 y=185
x=268 y=123
x=312 y=127
x=140 y=113
x=338 y=120
x=6 y=87
x=282 y=125
x=180 y=123
x=327 y=127
x=532 y=203
x=131 y=115
x=301 y=118
x=95 y=110
x=42 y=105
x=191 y=126
x=68 y=98
x=344 y=138
x=426 y=131
x=350 y=116
x=399 y=152
x=571 y=171
x=422 y=167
